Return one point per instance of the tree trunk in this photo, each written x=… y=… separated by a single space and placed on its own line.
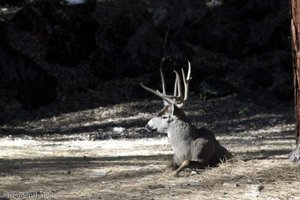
x=295 y=27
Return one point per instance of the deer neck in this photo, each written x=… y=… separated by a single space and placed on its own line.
x=180 y=139
x=180 y=129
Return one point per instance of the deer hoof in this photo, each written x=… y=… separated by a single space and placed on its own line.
x=174 y=174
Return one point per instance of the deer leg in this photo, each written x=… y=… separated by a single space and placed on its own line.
x=172 y=165
x=188 y=164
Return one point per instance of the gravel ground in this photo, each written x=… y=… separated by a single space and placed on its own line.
x=105 y=153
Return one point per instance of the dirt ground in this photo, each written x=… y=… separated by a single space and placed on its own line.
x=105 y=153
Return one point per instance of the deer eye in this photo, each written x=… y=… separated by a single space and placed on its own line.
x=165 y=117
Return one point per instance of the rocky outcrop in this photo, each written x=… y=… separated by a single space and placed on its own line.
x=23 y=82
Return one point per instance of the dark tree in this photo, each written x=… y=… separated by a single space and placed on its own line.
x=295 y=26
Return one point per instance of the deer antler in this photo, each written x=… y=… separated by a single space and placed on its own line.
x=178 y=98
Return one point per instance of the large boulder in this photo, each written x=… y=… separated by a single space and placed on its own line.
x=32 y=85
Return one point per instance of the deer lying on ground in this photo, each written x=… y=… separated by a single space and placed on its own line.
x=193 y=148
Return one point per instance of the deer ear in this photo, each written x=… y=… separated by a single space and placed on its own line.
x=176 y=111
x=162 y=111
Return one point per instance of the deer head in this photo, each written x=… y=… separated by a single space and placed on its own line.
x=173 y=104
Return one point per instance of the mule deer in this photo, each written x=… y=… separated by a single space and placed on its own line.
x=193 y=148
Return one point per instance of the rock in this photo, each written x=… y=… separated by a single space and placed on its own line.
x=213 y=87
x=257 y=76
x=72 y=2
x=259 y=10
x=260 y=36
x=72 y=43
x=33 y=85
x=12 y=2
x=283 y=88
x=98 y=174
x=253 y=191
x=119 y=129
x=231 y=185
x=79 y=7
x=29 y=19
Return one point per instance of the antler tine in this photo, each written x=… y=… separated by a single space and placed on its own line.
x=179 y=97
x=178 y=81
x=176 y=87
x=159 y=94
x=186 y=81
x=163 y=84
x=189 y=71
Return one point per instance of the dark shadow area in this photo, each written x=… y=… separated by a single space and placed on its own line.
x=65 y=164
x=236 y=117
x=82 y=129
x=132 y=129
x=97 y=53
x=261 y=154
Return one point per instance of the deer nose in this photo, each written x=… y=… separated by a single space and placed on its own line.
x=149 y=128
